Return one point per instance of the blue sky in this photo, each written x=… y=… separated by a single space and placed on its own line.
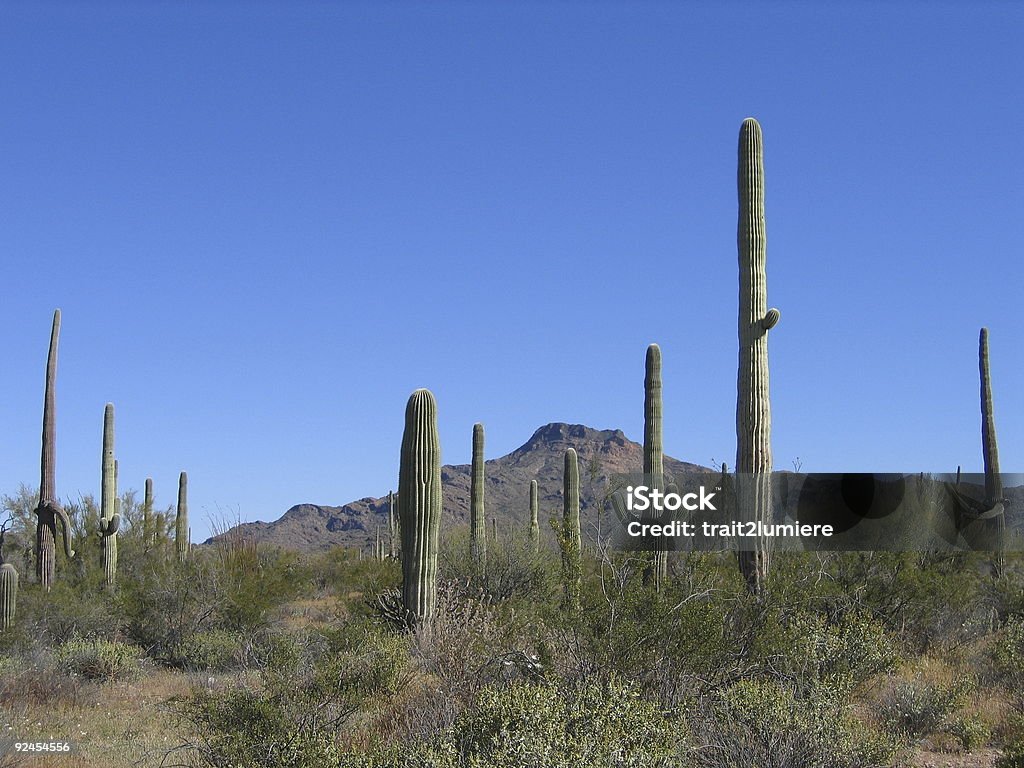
x=267 y=224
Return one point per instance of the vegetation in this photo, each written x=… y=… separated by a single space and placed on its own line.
x=272 y=659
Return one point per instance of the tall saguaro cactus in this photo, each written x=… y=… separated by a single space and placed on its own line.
x=654 y=454
x=110 y=519
x=419 y=505
x=182 y=532
x=753 y=406
x=49 y=510
x=571 y=540
x=534 y=522
x=477 y=515
x=990 y=450
x=392 y=527
x=147 y=513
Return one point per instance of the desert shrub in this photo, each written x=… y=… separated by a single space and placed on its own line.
x=1007 y=655
x=292 y=714
x=931 y=599
x=52 y=618
x=669 y=642
x=764 y=723
x=970 y=732
x=513 y=570
x=216 y=650
x=807 y=649
x=243 y=728
x=33 y=679
x=545 y=725
x=1012 y=757
x=166 y=604
x=353 y=579
x=919 y=707
x=468 y=641
x=248 y=581
x=98 y=659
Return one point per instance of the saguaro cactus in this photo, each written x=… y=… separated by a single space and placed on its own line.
x=8 y=588
x=147 y=513
x=990 y=450
x=654 y=454
x=571 y=539
x=392 y=527
x=753 y=406
x=419 y=505
x=477 y=517
x=182 y=532
x=49 y=510
x=534 y=512
x=110 y=520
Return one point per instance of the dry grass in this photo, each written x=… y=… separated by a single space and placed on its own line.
x=112 y=725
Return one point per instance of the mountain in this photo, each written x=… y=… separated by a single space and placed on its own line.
x=602 y=454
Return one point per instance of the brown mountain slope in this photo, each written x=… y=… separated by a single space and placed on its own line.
x=602 y=454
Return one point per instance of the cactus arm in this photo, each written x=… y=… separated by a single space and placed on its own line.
x=771 y=319
x=65 y=530
x=111 y=526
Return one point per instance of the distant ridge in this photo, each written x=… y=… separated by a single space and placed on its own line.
x=602 y=453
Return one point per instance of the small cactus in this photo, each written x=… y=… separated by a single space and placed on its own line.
x=477 y=514
x=419 y=506
x=182 y=531
x=753 y=406
x=534 y=512
x=110 y=519
x=8 y=588
x=49 y=509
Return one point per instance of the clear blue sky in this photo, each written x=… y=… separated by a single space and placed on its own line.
x=267 y=224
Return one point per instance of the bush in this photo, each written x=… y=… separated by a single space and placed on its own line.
x=970 y=732
x=765 y=724
x=806 y=649
x=292 y=714
x=919 y=707
x=1012 y=757
x=34 y=680
x=98 y=659
x=1007 y=655
x=548 y=726
x=216 y=651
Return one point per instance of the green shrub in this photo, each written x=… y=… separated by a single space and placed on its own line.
x=919 y=707
x=971 y=732
x=548 y=726
x=765 y=724
x=1012 y=757
x=808 y=650
x=216 y=650
x=1007 y=655
x=98 y=659
x=304 y=694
